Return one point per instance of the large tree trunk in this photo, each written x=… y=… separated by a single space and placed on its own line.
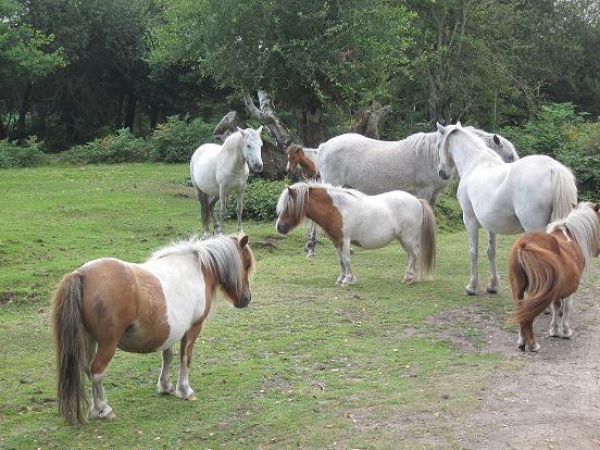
x=21 y=132
x=367 y=121
x=310 y=125
x=228 y=125
x=130 y=112
x=266 y=114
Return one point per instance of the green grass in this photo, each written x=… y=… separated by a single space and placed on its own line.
x=306 y=365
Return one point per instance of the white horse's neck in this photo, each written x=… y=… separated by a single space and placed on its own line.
x=468 y=151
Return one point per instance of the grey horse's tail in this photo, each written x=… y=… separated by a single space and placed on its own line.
x=564 y=192
x=70 y=343
x=426 y=257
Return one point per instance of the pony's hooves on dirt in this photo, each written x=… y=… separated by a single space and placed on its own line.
x=535 y=348
x=522 y=347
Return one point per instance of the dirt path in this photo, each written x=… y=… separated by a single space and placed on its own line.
x=553 y=401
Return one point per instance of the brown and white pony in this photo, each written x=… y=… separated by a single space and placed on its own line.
x=108 y=304
x=349 y=216
x=304 y=158
x=545 y=268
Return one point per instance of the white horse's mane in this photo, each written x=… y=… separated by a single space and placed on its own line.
x=220 y=255
x=584 y=225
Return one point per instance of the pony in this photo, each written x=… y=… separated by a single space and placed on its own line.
x=410 y=165
x=349 y=216
x=218 y=170
x=108 y=304
x=304 y=158
x=525 y=195
x=547 y=266
x=373 y=166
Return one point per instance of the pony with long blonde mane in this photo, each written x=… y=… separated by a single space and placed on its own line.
x=349 y=216
x=108 y=304
x=545 y=268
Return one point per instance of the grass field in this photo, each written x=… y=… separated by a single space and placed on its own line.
x=306 y=365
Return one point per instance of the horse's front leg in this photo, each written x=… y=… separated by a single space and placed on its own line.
x=492 y=286
x=472 y=227
x=164 y=386
x=220 y=221
x=312 y=240
x=239 y=209
x=349 y=278
x=183 y=389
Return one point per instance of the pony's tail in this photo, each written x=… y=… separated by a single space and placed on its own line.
x=534 y=270
x=426 y=257
x=564 y=192
x=70 y=342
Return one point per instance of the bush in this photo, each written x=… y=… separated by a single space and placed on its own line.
x=176 y=140
x=581 y=153
x=28 y=154
x=119 y=148
x=260 y=199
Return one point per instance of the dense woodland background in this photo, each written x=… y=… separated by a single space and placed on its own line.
x=126 y=80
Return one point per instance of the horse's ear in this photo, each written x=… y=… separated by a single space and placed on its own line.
x=596 y=207
x=243 y=241
x=440 y=128
x=496 y=139
x=291 y=192
x=458 y=124
x=241 y=131
x=259 y=130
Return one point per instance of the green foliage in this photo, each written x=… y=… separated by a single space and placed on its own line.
x=176 y=140
x=24 y=155
x=581 y=153
x=121 y=147
x=260 y=199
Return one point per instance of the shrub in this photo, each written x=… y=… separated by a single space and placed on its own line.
x=176 y=140
x=260 y=199
x=25 y=155
x=119 y=148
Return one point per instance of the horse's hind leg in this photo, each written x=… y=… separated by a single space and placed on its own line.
x=100 y=409
x=556 y=322
x=212 y=201
x=204 y=212
x=345 y=260
x=239 y=208
x=527 y=338
x=492 y=286
x=472 y=227
x=411 y=251
x=566 y=317
x=164 y=386
x=312 y=240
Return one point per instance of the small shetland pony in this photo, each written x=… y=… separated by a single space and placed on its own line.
x=108 y=304
x=349 y=216
x=304 y=158
x=218 y=170
x=547 y=266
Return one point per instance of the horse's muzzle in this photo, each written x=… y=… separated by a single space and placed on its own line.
x=282 y=228
x=257 y=168
x=243 y=301
x=443 y=175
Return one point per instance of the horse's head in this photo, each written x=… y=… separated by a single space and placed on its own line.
x=290 y=207
x=446 y=164
x=504 y=148
x=239 y=292
x=294 y=155
x=252 y=145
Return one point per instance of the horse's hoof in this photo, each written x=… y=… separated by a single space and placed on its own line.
x=310 y=254
x=191 y=398
x=110 y=416
x=522 y=347
x=535 y=348
x=554 y=334
x=491 y=290
x=469 y=291
x=567 y=334
x=409 y=281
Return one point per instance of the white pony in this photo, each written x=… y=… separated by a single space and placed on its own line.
x=502 y=198
x=410 y=165
x=349 y=216
x=219 y=170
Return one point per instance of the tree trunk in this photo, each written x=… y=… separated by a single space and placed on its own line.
x=367 y=122
x=21 y=132
x=310 y=125
x=266 y=114
x=228 y=125
x=130 y=112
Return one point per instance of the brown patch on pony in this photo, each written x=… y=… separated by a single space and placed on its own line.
x=124 y=304
x=320 y=209
x=297 y=157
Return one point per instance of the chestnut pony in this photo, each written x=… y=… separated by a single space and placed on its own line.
x=369 y=221
x=545 y=268
x=304 y=158
x=108 y=304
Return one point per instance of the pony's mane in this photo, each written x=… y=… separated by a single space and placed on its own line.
x=295 y=207
x=583 y=225
x=220 y=255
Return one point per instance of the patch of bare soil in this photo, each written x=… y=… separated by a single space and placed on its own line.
x=553 y=401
